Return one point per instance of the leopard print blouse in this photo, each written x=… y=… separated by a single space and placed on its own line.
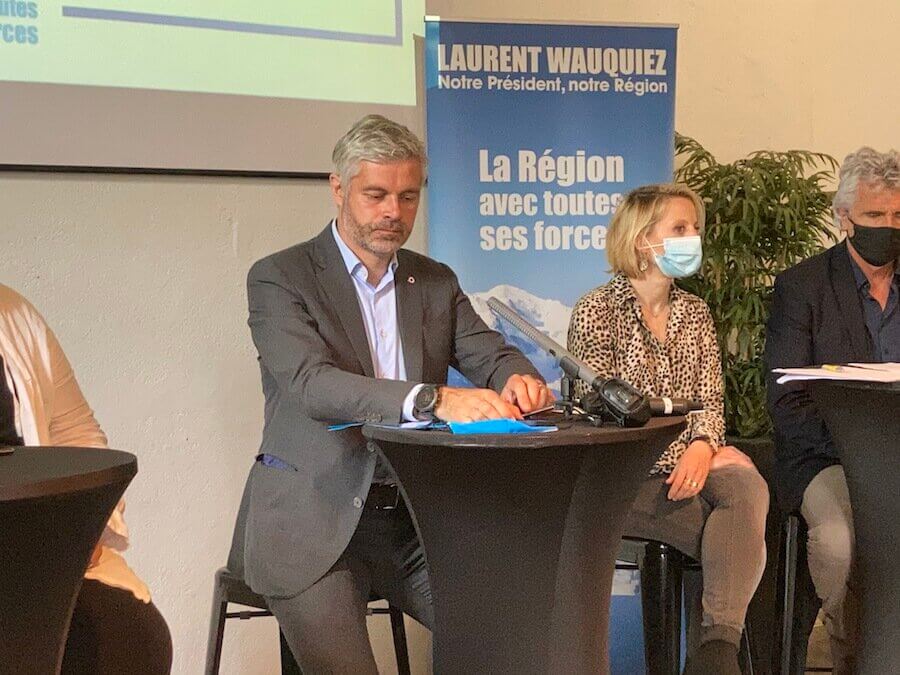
x=608 y=333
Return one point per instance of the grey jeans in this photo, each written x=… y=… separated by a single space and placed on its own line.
x=724 y=528
x=826 y=510
x=325 y=625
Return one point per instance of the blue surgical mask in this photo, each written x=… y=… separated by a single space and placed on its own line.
x=681 y=256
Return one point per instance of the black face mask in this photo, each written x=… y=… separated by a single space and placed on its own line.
x=878 y=246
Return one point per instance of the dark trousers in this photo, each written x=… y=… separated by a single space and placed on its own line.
x=114 y=633
x=325 y=625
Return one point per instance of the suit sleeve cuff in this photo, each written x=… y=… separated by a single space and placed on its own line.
x=409 y=403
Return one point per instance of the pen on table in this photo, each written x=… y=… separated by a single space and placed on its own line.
x=539 y=410
x=849 y=366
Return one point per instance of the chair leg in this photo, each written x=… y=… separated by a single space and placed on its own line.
x=398 y=628
x=216 y=631
x=661 y=604
x=788 y=583
x=289 y=664
x=745 y=656
x=806 y=606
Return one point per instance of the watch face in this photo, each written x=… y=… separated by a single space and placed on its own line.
x=425 y=399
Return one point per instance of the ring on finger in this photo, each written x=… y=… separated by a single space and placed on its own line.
x=694 y=484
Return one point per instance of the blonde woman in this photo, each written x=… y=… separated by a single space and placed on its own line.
x=703 y=497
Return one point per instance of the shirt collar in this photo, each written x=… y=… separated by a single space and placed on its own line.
x=624 y=293
x=352 y=261
x=862 y=283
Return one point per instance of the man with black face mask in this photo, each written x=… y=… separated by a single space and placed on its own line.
x=840 y=306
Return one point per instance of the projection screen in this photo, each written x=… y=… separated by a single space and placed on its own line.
x=259 y=86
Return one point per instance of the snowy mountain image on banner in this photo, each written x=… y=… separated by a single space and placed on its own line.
x=551 y=317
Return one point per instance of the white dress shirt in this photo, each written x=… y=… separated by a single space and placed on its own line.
x=378 y=305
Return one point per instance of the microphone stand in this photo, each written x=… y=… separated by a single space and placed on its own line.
x=590 y=408
x=566 y=403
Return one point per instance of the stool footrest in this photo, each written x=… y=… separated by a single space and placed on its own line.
x=246 y=614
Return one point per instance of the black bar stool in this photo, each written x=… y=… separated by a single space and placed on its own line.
x=661 y=599
x=231 y=588
x=798 y=603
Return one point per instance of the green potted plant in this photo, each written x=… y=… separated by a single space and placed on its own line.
x=764 y=214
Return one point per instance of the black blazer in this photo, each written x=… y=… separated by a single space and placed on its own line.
x=817 y=318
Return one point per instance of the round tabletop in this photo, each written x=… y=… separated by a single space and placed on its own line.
x=569 y=433
x=40 y=471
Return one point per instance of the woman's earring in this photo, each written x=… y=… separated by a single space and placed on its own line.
x=643 y=264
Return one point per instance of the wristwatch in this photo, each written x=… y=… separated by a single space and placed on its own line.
x=427 y=399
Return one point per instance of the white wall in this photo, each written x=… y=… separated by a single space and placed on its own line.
x=143 y=281
x=758 y=74
x=143 y=277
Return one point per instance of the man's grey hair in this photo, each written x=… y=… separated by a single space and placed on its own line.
x=869 y=167
x=376 y=139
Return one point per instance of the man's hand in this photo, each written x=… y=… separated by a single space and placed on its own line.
x=526 y=392
x=731 y=456
x=690 y=473
x=468 y=405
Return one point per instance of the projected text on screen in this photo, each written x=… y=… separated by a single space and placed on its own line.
x=309 y=49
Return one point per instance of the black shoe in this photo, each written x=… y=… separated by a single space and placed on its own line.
x=716 y=657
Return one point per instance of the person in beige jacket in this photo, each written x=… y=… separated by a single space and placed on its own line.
x=115 y=627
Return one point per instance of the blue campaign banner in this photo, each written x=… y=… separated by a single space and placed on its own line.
x=535 y=132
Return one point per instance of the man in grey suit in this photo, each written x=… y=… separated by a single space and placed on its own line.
x=350 y=327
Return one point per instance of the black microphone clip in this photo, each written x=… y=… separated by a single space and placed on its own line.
x=618 y=401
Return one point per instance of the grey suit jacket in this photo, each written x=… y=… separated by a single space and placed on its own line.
x=316 y=368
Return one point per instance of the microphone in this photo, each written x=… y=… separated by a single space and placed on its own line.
x=672 y=406
x=627 y=405
x=571 y=366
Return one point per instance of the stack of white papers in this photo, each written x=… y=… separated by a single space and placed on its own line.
x=860 y=372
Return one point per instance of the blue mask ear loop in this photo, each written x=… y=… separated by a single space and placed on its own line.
x=653 y=248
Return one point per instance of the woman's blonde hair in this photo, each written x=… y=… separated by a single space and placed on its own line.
x=641 y=209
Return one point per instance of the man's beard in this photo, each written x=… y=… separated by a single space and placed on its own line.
x=364 y=234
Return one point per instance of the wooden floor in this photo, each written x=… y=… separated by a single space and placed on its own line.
x=818 y=656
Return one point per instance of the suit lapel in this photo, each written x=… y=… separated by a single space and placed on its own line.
x=843 y=284
x=410 y=317
x=338 y=286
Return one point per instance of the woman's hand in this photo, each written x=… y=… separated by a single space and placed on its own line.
x=690 y=473
x=730 y=456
